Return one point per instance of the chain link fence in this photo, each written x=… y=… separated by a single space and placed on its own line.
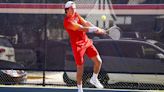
x=35 y=50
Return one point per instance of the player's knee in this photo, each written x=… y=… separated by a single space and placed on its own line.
x=99 y=59
x=80 y=66
x=100 y=62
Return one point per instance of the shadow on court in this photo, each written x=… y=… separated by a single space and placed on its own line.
x=43 y=89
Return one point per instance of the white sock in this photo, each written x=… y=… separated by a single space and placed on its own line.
x=80 y=88
x=95 y=75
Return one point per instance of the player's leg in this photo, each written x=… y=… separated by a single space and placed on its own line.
x=95 y=57
x=79 y=75
x=97 y=64
x=78 y=55
x=96 y=69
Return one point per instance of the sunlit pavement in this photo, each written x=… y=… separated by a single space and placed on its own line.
x=50 y=77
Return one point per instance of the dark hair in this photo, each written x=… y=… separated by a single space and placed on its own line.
x=66 y=10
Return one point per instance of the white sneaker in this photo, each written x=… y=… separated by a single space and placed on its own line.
x=80 y=90
x=96 y=83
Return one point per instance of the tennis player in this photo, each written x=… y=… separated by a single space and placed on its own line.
x=76 y=26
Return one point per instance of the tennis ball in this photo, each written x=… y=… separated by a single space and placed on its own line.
x=103 y=17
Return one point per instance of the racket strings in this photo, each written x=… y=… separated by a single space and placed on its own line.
x=114 y=33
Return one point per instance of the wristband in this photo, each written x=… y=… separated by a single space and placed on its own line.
x=92 y=29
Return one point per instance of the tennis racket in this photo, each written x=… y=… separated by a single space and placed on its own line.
x=114 y=32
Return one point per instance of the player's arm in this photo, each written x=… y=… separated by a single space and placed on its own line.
x=71 y=25
x=89 y=24
x=84 y=22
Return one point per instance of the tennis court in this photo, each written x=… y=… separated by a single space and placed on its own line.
x=64 y=89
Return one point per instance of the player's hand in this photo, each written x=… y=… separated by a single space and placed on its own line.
x=100 y=31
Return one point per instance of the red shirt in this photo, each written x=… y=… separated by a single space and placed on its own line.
x=77 y=38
